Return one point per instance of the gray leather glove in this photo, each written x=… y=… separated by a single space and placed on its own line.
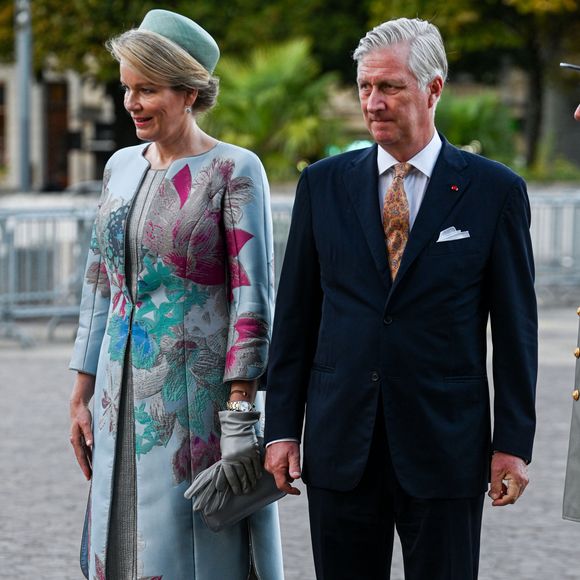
x=207 y=498
x=241 y=464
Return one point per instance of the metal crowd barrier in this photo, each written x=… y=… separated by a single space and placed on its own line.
x=42 y=257
x=556 y=240
x=43 y=253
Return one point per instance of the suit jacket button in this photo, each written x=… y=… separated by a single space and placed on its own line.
x=375 y=376
x=578 y=311
x=576 y=394
x=577 y=353
x=388 y=320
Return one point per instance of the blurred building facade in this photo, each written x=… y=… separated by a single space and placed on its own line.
x=71 y=135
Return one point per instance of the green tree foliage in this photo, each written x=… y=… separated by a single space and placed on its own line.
x=73 y=29
x=275 y=103
x=73 y=33
x=481 y=122
x=333 y=28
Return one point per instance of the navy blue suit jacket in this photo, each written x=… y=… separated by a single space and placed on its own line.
x=343 y=332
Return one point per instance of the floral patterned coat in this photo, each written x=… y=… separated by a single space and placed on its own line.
x=200 y=318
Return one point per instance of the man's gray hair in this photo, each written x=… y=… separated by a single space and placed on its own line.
x=427 y=58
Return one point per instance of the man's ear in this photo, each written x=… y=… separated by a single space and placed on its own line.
x=434 y=90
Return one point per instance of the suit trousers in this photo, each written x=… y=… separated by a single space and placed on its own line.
x=353 y=531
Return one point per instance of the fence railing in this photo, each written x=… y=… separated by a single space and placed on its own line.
x=42 y=256
x=556 y=241
x=43 y=253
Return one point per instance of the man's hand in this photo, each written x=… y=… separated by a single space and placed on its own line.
x=509 y=478
x=283 y=462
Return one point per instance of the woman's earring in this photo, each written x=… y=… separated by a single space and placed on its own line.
x=188 y=110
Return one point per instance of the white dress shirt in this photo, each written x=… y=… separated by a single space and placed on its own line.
x=417 y=179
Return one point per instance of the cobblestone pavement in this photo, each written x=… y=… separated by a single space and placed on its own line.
x=42 y=493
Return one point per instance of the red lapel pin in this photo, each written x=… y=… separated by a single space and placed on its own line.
x=454 y=188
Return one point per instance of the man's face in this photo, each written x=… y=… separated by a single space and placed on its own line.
x=398 y=114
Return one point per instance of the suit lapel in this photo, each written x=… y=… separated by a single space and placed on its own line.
x=361 y=180
x=446 y=186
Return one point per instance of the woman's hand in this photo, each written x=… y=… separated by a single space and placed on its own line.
x=241 y=464
x=81 y=434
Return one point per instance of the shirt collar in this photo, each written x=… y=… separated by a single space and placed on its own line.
x=424 y=161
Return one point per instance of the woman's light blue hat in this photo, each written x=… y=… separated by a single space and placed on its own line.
x=185 y=33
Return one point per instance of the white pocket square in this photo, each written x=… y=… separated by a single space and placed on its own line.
x=451 y=234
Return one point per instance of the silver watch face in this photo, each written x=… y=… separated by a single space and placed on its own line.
x=242 y=406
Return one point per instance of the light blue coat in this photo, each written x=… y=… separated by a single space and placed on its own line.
x=200 y=318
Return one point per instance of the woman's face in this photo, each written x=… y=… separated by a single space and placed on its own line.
x=158 y=112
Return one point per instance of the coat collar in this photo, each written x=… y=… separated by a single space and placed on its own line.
x=446 y=186
x=361 y=181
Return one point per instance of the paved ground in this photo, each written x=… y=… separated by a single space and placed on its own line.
x=42 y=494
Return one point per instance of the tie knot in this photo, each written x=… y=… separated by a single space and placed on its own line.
x=402 y=170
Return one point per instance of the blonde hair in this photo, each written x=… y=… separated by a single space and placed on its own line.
x=165 y=63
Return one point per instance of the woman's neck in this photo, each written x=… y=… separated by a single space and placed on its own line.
x=193 y=141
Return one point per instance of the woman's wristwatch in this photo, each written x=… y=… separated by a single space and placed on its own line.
x=241 y=406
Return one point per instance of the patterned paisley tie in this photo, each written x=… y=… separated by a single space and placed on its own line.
x=396 y=218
